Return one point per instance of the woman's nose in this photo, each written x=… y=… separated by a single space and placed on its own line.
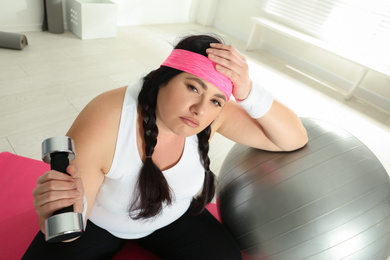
x=198 y=108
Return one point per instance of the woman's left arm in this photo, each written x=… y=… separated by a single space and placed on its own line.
x=275 y=128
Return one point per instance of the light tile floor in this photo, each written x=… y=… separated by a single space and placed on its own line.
x=45 y=86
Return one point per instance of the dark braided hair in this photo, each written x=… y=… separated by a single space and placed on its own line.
x=153 y=189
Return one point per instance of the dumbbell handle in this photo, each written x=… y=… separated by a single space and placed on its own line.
x=59 y=162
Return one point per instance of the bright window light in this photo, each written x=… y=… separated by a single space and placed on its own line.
x=356 y=27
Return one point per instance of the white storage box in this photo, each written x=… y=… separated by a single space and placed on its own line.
x=92 y=19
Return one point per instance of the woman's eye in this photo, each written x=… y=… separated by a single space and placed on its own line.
x=193 y=88
x=216 y=103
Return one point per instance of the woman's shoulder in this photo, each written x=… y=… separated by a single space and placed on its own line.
x=104 y=111
x=106 y=106
x=107 y=98
x=95 y=129
x=101 y=114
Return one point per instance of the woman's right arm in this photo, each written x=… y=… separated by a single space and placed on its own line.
x=94 y=133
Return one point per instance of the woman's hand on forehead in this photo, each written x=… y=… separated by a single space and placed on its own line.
x=233 y=65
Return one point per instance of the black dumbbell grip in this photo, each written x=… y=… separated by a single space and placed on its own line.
x=59 y=161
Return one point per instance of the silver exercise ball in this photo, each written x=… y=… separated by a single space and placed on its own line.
x=328 y=200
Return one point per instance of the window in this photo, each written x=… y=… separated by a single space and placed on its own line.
x=356 y=26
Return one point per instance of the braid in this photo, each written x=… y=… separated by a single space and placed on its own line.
x=150 y=128
x=198 y=204
x=153 y=189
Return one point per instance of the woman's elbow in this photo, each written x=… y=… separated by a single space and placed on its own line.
x=298 y=142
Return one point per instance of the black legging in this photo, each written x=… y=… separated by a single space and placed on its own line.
x=189 y=237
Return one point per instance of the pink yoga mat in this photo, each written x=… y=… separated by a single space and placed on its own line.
x=18 y=220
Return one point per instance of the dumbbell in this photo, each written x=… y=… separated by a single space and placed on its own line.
x=64 y=224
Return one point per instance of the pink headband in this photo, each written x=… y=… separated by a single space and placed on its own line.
x=200 y=66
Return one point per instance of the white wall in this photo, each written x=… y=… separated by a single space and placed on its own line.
x=21 y=15
x=205 y=12
x=27 y=15
x=233 y=16
x=138 y=12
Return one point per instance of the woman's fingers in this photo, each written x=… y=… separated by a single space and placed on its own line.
x=56 y=199
x=46 y=193
x=56 y=190
x=52 y=181
x=227 y=50
x=45 y=205
x=226 y=59
x=78 y=205
x=233 y=65
x=53 y=175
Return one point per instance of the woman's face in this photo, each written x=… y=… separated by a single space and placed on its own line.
x=187 y=104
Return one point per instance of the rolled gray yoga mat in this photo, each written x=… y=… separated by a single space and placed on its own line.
x=54 y=16
x=12 y=40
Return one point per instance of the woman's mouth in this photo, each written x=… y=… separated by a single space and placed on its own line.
x=190 y=122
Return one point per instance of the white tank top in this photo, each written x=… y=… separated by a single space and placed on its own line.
x=185 y=179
